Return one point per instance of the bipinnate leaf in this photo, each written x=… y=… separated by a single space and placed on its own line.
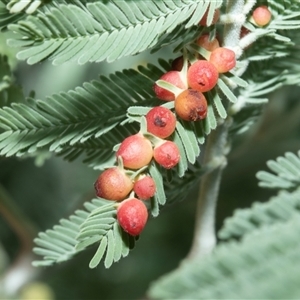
x=74 y=124
x=58 y=244
x=101 y=226
x=96 y=31
x=264 y=265
x=96 y=224
x=76 y=116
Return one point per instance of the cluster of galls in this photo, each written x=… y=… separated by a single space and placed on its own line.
x=201 y=76
x=116 y=184
x=202 y=73
x=136 y=152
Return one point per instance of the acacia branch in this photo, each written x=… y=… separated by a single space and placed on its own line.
x=204 y=235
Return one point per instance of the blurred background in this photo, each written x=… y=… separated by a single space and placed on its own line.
x=40 y=193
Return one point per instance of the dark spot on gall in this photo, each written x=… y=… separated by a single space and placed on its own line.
x=158 y=121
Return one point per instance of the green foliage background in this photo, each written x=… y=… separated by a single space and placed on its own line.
x=54 y=190
x=57 y=188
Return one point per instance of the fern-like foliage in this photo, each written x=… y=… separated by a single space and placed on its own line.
x=95 y=31
x=276 y=73
x=280 y=208
x=75 y=116
x=265 y=53
x=102 y=227
x=96 y=224
x=287 y=172
x=264 y=265
x=74 y=123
